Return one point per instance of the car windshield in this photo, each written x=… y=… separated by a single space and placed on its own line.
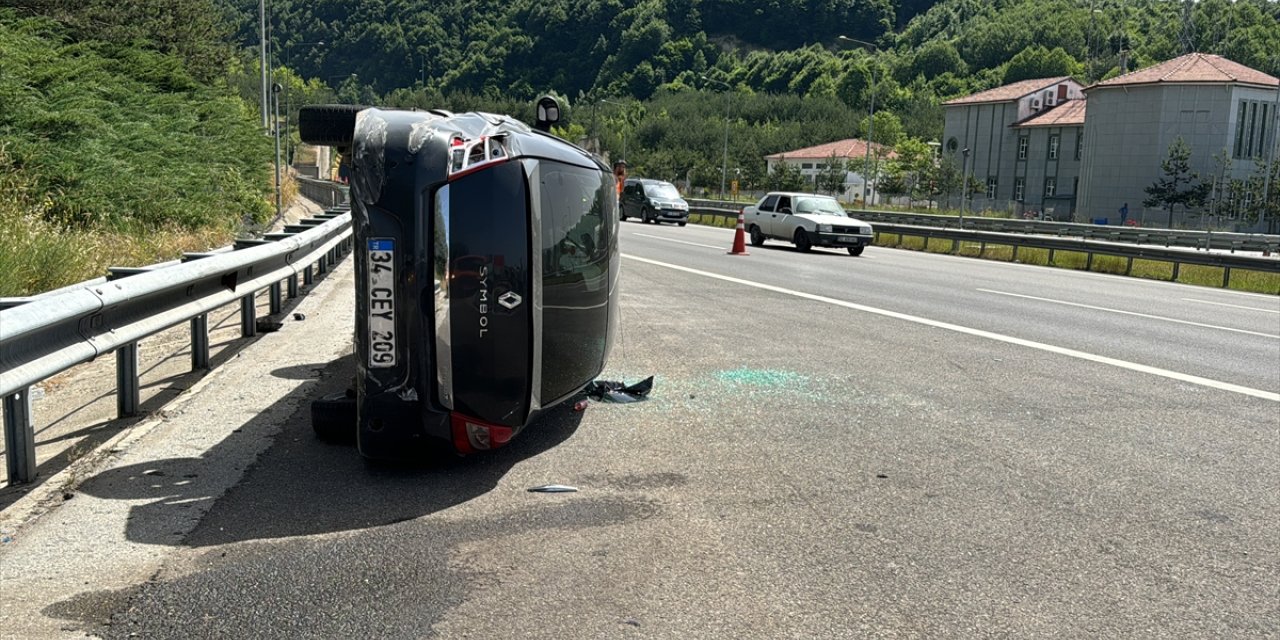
x=661 y=190
x=819 y=205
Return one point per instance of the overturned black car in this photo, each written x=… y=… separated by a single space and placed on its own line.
x=486 y=270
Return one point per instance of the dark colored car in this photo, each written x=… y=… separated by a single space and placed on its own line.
x=486 y=264
x=653 y=201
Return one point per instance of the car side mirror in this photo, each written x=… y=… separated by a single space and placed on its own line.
x=548 y=113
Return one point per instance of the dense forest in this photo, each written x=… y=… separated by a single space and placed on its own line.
x=650 y=75
x=141 y=117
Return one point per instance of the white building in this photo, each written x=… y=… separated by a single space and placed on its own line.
x=812 y=160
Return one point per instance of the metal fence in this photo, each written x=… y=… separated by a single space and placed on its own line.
x=44 y=335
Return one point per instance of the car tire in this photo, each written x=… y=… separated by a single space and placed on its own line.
x=801 y=241
x=328 y=125
x=644 y=215
x=856 y=251
x=622 y=216
x=757 y=237
x=333 y=417
x=682 y=223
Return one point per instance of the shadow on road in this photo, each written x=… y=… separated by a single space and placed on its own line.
x=301 y=486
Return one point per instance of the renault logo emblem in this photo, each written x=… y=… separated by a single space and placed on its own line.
x=510 y=300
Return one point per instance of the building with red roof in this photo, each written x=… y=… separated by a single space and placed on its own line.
x=1215 y=105
x=811 y=161
x=1050 y=145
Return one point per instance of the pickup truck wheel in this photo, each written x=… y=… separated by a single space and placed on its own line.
x=757 y=238
x=856 y=251
x=802 y=240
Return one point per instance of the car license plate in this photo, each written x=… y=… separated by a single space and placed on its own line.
x=847 y=239
x=382 y=303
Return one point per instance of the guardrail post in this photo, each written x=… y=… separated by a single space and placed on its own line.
x=200 y=342
x=1226 y=277
x=1050 y=263
x=128 y=394
x=1015 y=253
x=1176 y=265
x=308 y=276
x=293 y=285
x=1128 y=267
x=19 y=437
x=1088 y=262
x=321 y=266
x=274 y=298
x=248 y=317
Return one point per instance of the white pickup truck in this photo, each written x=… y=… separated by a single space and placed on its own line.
x=807 y=220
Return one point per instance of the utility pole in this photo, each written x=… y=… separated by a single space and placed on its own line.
x=964 y=186
x=724 y=163
x=262 y=55
x=275 y=99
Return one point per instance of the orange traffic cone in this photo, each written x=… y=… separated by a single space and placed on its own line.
x=740 y=237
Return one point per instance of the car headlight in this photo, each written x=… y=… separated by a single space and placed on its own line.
x=655 y=204
x=866 y=230
x=824 y=228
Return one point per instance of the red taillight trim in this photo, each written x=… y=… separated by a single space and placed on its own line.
x=477 y=167
x=496 y=435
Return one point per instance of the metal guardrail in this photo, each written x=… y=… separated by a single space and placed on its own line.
x=1177 y=256
x=1089 y=247
x=44 y=335
x=1138 y=235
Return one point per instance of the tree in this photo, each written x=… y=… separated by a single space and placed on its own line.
x=831 y=178
x=1180 y=185
x=1037 y=62
x=785 y=177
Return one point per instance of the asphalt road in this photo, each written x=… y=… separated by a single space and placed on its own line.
x=895 y=445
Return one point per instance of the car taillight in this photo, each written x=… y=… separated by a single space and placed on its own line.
x=471 y=435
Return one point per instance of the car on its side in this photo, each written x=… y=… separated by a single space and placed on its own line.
x=653 y=201
x=517 y=231
x=807 y=220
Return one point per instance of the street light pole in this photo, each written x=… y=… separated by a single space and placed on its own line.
x=275 y=95
x=724 y=163
x=262 y=55
x=871 y=121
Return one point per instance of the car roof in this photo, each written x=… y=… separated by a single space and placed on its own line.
x=647 y=181
x=798 y=193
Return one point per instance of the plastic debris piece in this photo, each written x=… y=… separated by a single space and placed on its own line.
x=617 y=392
x=580 y=405
x=299 y=316
x=554 y=488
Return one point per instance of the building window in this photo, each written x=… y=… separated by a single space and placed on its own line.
x=991 y=187
x=1050 y=187
x=1019 y=188
x=807 y=165
x=952 y=144
x=1023 y=143
x=822 y=165
x=1053 y=146
x=1264 y=130
x=1079 y=144
x=1253 y=121
x=1240 y=117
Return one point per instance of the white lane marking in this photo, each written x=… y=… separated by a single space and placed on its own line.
x=1233 y=306
x=1130 y=313
x=1072 y=353
x=695 y=244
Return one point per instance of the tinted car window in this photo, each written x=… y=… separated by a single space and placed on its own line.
x=768 y=203
x=575 y=205
x=662 y=190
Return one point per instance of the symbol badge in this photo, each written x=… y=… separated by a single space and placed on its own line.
x=510 y=300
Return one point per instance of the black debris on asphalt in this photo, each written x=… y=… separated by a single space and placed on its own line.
x=618 y=392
